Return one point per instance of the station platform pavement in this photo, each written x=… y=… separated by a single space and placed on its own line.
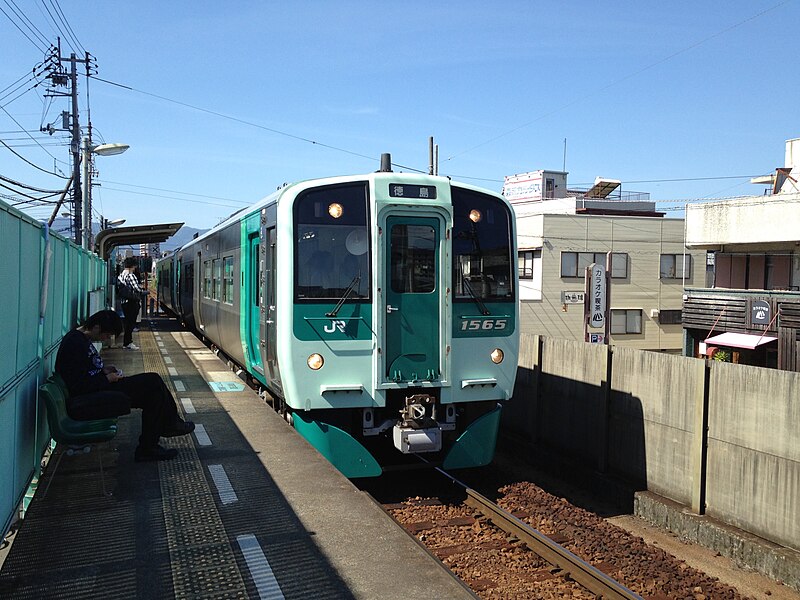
x=248 y=509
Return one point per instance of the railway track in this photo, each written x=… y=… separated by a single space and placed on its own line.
x=532 y=544
x=554 y=572
x=572 y=567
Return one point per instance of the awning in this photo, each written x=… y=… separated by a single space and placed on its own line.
x=108 y=239
x=740 y=340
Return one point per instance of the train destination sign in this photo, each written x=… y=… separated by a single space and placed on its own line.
x=416 y=192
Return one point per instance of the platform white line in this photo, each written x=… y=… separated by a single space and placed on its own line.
x=164 y=351
x=223 y=484
x=202 y=436
x=258 y=565
x=160 y=344
x=188 y=406
x=179 y=385
x=173 y=372
x=168 y=360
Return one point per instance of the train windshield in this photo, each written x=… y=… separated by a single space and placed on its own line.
x=332 y=244
x=481 y=248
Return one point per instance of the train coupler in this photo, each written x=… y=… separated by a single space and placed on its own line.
x=418 y=430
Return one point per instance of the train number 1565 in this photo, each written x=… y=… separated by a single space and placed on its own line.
x=483 y=324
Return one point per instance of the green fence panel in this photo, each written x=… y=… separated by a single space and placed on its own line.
x=36 y=264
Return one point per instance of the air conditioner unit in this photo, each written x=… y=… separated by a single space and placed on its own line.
x=653 y=313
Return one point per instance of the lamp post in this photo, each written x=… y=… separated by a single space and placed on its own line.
x=87 y=150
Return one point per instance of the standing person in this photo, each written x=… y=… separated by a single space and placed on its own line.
x=131 y=292
x=99 y=391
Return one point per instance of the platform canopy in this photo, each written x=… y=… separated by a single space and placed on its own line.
x=108 y=239
x=750 y=341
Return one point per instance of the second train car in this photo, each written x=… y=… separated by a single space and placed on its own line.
x=380 y=311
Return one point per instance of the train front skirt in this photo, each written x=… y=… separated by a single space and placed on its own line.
x=473 y=448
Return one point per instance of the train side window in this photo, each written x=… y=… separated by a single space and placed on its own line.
x=216 y=279
x=207 y=279
x=227 y=276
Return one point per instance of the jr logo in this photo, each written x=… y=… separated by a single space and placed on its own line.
x=334 y=325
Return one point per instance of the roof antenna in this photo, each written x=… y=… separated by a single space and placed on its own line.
x=386 y=163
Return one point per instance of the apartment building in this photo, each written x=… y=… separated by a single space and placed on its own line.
x=750 y=312
x=562 y=231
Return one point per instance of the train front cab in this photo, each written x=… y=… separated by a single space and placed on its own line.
x=404 y=329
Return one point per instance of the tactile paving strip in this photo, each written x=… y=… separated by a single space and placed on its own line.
x=203 y=562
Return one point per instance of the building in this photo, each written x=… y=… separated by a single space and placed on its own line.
x=561 y=231
x=750 y=311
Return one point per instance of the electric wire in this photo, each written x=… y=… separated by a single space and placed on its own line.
x=14 y=22
x=27 y=186
x=29 y=135
x=62 y=17
x=251 y=124
x=613 y=84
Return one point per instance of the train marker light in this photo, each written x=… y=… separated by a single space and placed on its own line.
x=475 y=215
x=315 y=362
x=335 y=210
x=497 y=356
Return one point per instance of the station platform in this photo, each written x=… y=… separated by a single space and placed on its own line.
x=248 y=509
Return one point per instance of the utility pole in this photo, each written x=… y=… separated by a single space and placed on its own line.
x=58 y=78
x=75 y=148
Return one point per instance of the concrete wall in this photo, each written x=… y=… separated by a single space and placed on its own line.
x=748 y=220
x=754 y=450
x=652 y=429
x=718 y=438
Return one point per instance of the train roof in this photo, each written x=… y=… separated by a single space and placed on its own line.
x=275 y=196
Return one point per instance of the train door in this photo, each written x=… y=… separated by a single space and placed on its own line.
x=254 y=301
x=270 y=328
x=413 y=283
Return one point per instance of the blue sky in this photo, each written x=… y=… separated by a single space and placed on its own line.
x=641 y=91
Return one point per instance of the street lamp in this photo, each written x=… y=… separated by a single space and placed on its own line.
x=86 y=158
x=109 y=223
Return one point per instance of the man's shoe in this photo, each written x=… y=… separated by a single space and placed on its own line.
x=154 y=453
x=131 y=346
x=180 y=427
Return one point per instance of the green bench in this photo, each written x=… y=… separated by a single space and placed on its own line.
x=78 y=436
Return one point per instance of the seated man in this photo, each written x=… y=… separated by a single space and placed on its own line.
x=98 y=391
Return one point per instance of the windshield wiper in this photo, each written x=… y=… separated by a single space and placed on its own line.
x=347 y=292
x=481 y=305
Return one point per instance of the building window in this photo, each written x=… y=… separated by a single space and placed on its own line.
x=670 y=317
x=227 y=274
x=626 y=320
x=207 y=279
x=525 y=263
x=676 y=266
x=573 y=264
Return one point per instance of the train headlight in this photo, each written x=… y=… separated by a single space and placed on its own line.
x=497 y=356
x=475 y=215
x=315 y=362
x=335 y=210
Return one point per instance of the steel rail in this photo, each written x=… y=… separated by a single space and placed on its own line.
x=576 y=568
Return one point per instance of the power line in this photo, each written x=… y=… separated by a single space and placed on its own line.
x=62 y=17
x=29 y=135
x=35 y=43
x=251 y=124
x=616 y=82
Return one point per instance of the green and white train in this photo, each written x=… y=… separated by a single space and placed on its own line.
x=380 y=311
